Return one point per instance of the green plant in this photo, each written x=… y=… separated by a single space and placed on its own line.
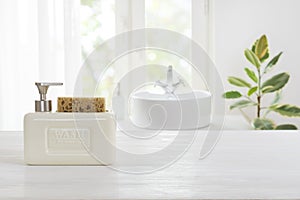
x=257 y=56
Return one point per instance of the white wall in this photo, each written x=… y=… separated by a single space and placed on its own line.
x=239 y=22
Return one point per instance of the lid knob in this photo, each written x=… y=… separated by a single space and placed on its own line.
x=44 y=105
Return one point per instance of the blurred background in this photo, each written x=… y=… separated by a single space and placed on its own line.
x=49 y=40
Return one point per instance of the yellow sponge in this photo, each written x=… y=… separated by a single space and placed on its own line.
x=80 y=104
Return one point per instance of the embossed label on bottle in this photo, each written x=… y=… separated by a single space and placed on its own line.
x=68 y=140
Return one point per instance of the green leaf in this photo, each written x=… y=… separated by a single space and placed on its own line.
x=254 y=46
x=275 y=83
x=263 y=124
x=242 y=104
x=252 y=58
x=266 y=88
x=265 y=57
x=286 y=110
x=238 y=82
x=232 y=95
x=262 y=48
x=251 y=74
x=286 y=127
x=272 y=62
x=276 y=99
x=252 y=90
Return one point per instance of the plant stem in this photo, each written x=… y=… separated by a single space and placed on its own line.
x=258 y=106
x=259 y=94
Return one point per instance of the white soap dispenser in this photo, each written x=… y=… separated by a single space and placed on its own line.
x=67 y=138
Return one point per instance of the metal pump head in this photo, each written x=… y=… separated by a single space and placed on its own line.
x=44 y=105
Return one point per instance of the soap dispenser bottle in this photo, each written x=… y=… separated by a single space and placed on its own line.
x=82 y=137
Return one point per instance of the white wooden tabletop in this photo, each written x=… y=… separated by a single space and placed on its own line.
x=243 y=165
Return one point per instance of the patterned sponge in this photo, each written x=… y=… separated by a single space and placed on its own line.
x=80 y=104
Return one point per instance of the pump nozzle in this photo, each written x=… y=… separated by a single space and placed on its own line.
x=44 y=105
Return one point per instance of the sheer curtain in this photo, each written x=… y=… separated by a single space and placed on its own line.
x=39 y=42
